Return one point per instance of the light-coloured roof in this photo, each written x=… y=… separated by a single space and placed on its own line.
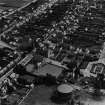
x=65 y=88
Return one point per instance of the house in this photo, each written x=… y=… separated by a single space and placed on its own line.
x=94 y=68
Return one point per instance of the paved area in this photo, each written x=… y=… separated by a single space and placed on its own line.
x=89 y=99
x=41 y=95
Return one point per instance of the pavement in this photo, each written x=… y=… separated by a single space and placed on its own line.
x=41 y=95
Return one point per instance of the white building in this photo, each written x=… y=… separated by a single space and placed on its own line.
x=94 y=68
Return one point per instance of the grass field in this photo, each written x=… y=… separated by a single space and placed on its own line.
x=50 y=69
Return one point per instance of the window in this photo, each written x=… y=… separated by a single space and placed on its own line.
x=97 y=68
